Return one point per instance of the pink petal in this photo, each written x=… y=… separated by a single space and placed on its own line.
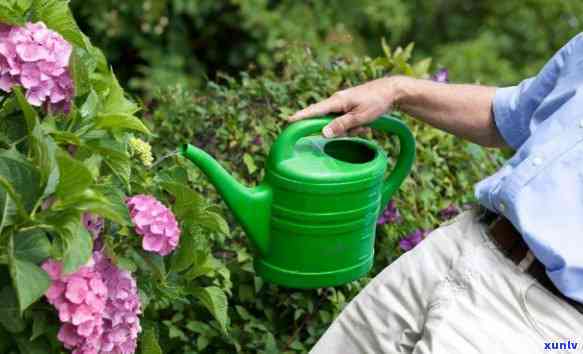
x=76 y=290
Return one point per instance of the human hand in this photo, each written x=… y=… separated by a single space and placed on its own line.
x=360 y=104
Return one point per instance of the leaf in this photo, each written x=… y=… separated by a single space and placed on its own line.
x=40 y=324
x=203 y=263
x=78 y=66
x=20 y=178
x=78 y=251
x=120 y=121
x=116 y=102
x=8 y=210
x=30 y=281
x=248 y=160
x=215 y=300
x=89 y=108
x=43 y=151
x=188 y=203
x=183 y=257
x=9 y=314
x=213 y=222
x=32 y=246
x=26 y=346
x=94 y=202
x=10 y=16
x=149 y=342
x=29 y=113
x=58 y=17
x=114 y=157
x=75 y=176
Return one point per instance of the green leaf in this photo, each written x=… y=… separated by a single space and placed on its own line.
x=78 y=66
x=183 y=257
x=40 y=324
x=26 y=346
x=202 y=264
x=43 y=152
x=248 y=160
x=215 y=300
x=94 y=202
x=89 y=108
x=78 y=251
x=116 y=102
x=75 y=176
x=8 y=210
x=10 y=16
x=126 y=263
x=120 y=121
x=58 y=17
x=20 y=178
x=114 y=157
x=9 y=313
x=29 y=113
x=32 y=246
x=149 y=342
x=188 y=203
x=30 y=282
x=213 y=222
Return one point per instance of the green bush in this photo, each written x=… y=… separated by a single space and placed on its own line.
x=237 y=119
x=156 y=43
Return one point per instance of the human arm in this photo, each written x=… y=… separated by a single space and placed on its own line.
x=463 y=110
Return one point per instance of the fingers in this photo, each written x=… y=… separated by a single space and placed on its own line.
x=342 y=124
x=332 y=104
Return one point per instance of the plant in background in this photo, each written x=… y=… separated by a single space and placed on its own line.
x=69 y=227
x=236 y=120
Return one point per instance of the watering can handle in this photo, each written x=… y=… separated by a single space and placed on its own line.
x=283 y=147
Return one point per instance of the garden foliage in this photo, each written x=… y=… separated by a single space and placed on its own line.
x=158 y=42
x=67 y=176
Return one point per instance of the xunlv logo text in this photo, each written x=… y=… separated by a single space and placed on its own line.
x=561 y=345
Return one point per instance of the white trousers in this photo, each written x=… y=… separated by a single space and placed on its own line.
x=455 y=293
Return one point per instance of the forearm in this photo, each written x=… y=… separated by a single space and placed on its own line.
x=462 y=110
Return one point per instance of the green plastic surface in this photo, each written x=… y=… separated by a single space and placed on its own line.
x=313 y=219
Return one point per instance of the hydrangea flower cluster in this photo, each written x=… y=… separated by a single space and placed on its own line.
x=121 y=324
x=143 y=150
x=390 y=215
x=38 y=59
x=98 y=306
x=80 y=299
x=413 y=239
x=155 y=223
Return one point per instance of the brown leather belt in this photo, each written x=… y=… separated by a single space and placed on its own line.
x=511 y=243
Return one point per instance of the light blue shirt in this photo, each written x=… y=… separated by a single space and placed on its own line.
x=540 y=189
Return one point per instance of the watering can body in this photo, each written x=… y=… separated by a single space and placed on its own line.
x=313 y=218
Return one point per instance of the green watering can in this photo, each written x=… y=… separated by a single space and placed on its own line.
x=312 y=220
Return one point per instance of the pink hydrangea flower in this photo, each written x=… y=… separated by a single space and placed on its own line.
x=155 y=223
x=80 y=299
x=36 y=58
x=121 y=324
x=98 y=306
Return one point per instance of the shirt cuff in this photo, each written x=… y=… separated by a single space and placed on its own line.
x=507 y=125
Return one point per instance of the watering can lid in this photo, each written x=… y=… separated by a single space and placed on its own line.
x=317 y=160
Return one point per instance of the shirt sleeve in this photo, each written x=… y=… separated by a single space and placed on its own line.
x=515 y=106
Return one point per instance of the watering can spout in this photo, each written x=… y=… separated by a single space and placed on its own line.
x=251 y=206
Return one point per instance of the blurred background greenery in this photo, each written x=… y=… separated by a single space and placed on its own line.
x=154 y=43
